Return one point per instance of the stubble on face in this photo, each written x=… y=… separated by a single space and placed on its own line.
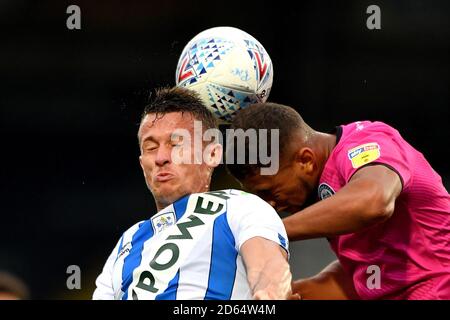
x=169 y=181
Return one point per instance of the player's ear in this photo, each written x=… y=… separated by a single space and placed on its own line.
x=212 y=154
x=306 y=159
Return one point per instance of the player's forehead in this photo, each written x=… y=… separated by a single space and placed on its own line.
x=162 y=126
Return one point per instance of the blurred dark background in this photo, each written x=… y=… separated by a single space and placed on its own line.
x=70 y=102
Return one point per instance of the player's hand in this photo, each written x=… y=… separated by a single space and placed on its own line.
x=265 y=295
x=295 y=296
x=262 y=295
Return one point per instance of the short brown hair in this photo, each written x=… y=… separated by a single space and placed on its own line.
x=178 y=99
x=264 y=116
x=13 y=285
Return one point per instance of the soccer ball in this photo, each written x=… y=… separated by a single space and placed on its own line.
x=228 y=68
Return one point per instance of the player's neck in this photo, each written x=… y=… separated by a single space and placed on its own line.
x=161 y=204
x=324 y=144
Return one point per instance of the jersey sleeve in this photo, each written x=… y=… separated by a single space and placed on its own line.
x=104 y=283
x=249 y=216
x=381 y=145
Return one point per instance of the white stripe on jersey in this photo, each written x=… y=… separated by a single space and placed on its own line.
x=196 y=267
x=241 y=289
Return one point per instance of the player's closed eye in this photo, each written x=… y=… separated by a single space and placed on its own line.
x=151 y=147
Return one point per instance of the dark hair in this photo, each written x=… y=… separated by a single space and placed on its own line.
x=264 y=116
x=13 y=285
x=178 y=99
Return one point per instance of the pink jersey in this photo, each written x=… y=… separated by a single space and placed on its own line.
x=411 y=250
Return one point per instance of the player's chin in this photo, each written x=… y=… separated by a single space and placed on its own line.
x=167 y=188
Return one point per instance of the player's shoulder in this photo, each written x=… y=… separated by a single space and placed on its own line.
x=239 y=196
x=362 y=128
x=242 y=202
x=358 y=134
x=128 y=234
x=230 y=195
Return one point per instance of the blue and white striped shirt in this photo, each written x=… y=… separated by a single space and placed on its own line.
x=190 y=249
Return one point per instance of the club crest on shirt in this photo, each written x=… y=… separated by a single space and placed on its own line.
x=364 y=154
x=325 y=191
x=162 y=221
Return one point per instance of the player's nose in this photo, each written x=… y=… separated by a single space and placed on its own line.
x=163 y=156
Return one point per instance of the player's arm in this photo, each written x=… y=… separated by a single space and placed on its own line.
x=267 y=268
x=104 y=282
x=332 y=283
x=104 y=289
x=367 y=199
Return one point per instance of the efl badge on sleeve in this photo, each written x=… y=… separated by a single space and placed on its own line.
x=162 y=221
x=325 y=191
x=364 y=154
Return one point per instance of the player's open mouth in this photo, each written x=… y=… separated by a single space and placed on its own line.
x=163 y=176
